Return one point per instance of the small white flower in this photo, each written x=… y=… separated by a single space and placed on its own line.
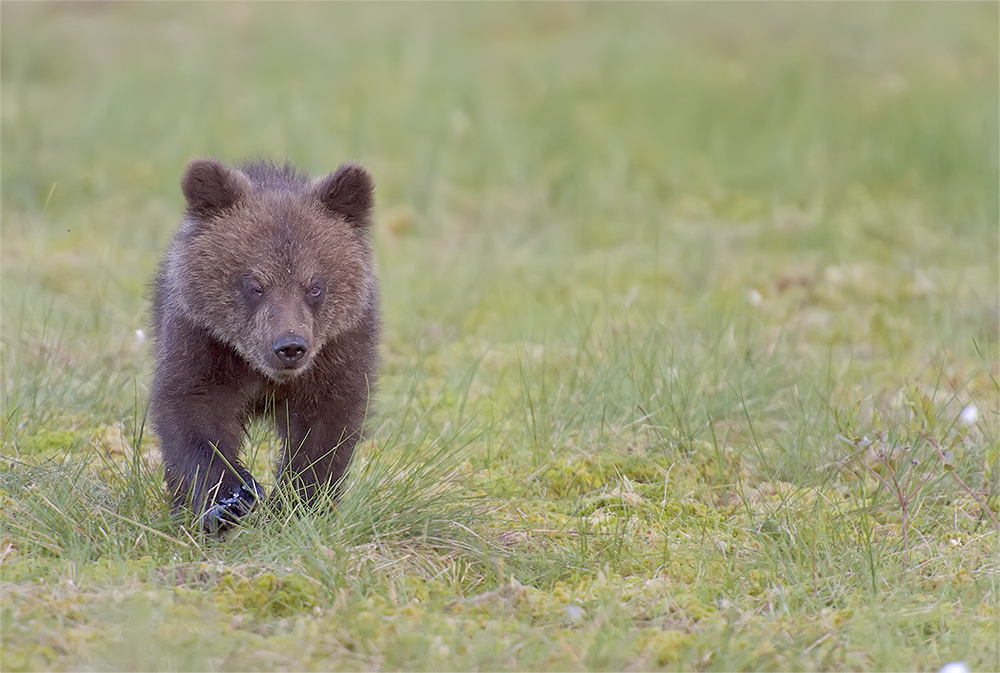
x=140 y=337
x=955 y=667
x=574 y=613
x=754 y=297
x=969 y=414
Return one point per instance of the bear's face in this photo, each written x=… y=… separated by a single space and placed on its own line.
x=275 y=271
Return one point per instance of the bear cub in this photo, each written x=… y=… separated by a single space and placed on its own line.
x=265 y=304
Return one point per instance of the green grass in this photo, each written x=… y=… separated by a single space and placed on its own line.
x=683 y=307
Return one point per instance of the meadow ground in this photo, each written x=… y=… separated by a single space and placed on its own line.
x=691 y=350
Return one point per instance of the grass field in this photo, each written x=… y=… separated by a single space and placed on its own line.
x=691 y=348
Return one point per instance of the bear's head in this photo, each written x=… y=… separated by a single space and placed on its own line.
x=272 y=263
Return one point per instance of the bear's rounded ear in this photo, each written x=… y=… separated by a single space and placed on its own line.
x=347 y=192
x=210 y=187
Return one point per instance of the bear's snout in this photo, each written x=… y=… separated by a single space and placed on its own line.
x=289 y=349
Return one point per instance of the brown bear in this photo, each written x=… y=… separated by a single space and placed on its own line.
x=265 y=303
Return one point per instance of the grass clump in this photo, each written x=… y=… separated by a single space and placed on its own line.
x=691 y=337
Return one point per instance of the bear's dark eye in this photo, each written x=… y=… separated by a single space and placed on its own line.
x=253 y=289
x=314 y=295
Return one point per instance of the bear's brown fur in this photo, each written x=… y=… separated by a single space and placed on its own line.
x=266 y=299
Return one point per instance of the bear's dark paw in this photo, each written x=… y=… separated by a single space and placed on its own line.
x=229 y=510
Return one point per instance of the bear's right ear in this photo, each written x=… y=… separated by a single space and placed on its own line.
x=210 y=187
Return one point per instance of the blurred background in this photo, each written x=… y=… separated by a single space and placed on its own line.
x=686 y=143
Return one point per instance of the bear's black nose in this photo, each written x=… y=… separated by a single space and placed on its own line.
x=290 y=348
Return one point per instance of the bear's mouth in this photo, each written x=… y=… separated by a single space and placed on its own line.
x=288 y=371
x=282 y=371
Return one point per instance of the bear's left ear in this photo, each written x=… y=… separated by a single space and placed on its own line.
x=347 y=192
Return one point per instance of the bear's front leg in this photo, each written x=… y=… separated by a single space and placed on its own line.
x=200 y=435
x=199 y=404
x=318 y=447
